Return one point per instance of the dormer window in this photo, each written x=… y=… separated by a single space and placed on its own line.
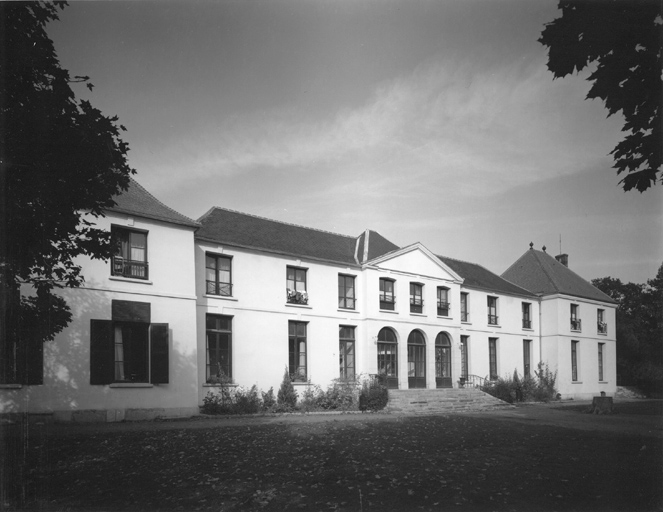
x=416 y=298
x=576 y=324
x=130 y=253
x=443 y=301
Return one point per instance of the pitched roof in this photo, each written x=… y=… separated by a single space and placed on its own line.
x=138 y=201
x=377 y=246
x=230 y=227
x=477 y=276
x=542 y=274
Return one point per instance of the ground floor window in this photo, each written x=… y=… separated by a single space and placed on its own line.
x=464 y=364
x=22 y=362
x=297 y=350
x=219 y=349
x=574 y=360
x=601 y=345
x=527 y=358
x=443 y=361
x=416 y=360
x=388 y=357
x=131 y=352
x=346 y=352
x=492 y=358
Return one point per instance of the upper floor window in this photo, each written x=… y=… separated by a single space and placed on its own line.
x=575 y=321
x=443 y=301
x=492 y=310
x=416 y=298
x=464 y=307
x=527 y=315
x=387 y=297
x=346 y=291
x=129 y=253
x=218 y=278
x=296 y=285
x=601 y=324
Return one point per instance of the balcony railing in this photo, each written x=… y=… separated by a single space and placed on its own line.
x=576 y=324
x=387 y=301
x=492 y=319
x=416 y=305
x=294 y=297
x=442 y=308
x=602 y=327
x=129 y=268
x=216 y=288
x=527 y=324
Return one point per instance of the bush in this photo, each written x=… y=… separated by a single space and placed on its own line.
x=525 y=389
x=546 y=389
x=374 y=395
x=232 y=401
x=268 y=399
x=286 y=400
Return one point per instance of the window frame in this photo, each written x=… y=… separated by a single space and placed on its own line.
x=601 y=354
x=464 y=307
x=295 y=354
x=493 y=318
x=387 y=298
x=576 y=323
x=343 y=288
x=574 y=361
x=416 y=300
x=295 y=295
x=443 y=306
x=527 y=315
x=492 y=359
x=464 y=360
x=343 y=343
x=122 y=265
x=601 y=324
x=527 y=358
x=223 y=376
x=217 y=283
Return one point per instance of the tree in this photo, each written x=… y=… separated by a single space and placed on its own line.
x=61 y=161
x=624 y=39
x=639 y=330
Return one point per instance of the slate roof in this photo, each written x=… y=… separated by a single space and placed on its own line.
x=137 y=201
x=542 y=274
x=377 y=245
x=476 y=276
x=238 y=229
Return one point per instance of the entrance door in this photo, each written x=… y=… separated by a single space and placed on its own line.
x=388 y=357
x=416 y=360
x=443 y=361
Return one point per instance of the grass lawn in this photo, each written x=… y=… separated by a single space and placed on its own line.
x=372 y=462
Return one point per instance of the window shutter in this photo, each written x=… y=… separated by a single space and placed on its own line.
x=102 y=352
x=159 y=353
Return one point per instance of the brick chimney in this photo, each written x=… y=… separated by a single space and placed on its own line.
x=563 y=259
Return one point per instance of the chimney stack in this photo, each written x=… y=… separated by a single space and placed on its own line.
x=563 y=259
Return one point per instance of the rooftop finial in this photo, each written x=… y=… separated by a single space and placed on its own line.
x=531 y=245
x=544 y=248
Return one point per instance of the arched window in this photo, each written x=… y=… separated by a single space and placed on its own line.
x=416 y=360
x=443 y=361
x=388 y=356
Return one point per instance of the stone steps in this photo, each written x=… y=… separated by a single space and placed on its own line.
x=441 y=401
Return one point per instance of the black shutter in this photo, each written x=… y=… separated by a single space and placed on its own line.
x=159 y=353
x=34 y=362
x=102 y=352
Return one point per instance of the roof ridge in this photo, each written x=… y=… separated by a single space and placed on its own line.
x=277 y=221
x=160 y=202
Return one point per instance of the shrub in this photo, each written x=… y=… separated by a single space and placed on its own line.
x=546 y=388
x=247 y=402
x=286 y=399
x=268 y=399
x=374 y=395
x=517 y=389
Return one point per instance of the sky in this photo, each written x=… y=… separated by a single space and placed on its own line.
x=430 y=121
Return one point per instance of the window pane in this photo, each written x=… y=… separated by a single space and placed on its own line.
x=210 y=262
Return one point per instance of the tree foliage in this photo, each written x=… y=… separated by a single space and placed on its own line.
x=639 y=330
x=60 y=159
x=624 y=38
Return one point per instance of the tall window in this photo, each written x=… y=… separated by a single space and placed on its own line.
x=443 y=361
x=601 y=324
x=346 y=291
x=574 y=360
x=387 y=297
x=218 y=276
x=575 y=321
x=296 y=285
x=492 y=358
x=131 y=352
x=464 y=307
x=388 y=357
x=601 y=345
x=464 y=365
x=492 y=310
x=346 y=352
x=297 y=350
x=129 y=253
x=527 y=357
x=527 y=315
x=219 y=349
x=443 y=301
x=416 y=298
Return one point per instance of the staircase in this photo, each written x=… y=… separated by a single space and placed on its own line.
x=441 y=401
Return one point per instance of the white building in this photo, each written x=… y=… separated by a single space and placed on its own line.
x=186 y=306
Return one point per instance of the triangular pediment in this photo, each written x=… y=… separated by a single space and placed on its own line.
x=417 y=260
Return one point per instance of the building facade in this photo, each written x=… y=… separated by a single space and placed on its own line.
x=187 y=306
